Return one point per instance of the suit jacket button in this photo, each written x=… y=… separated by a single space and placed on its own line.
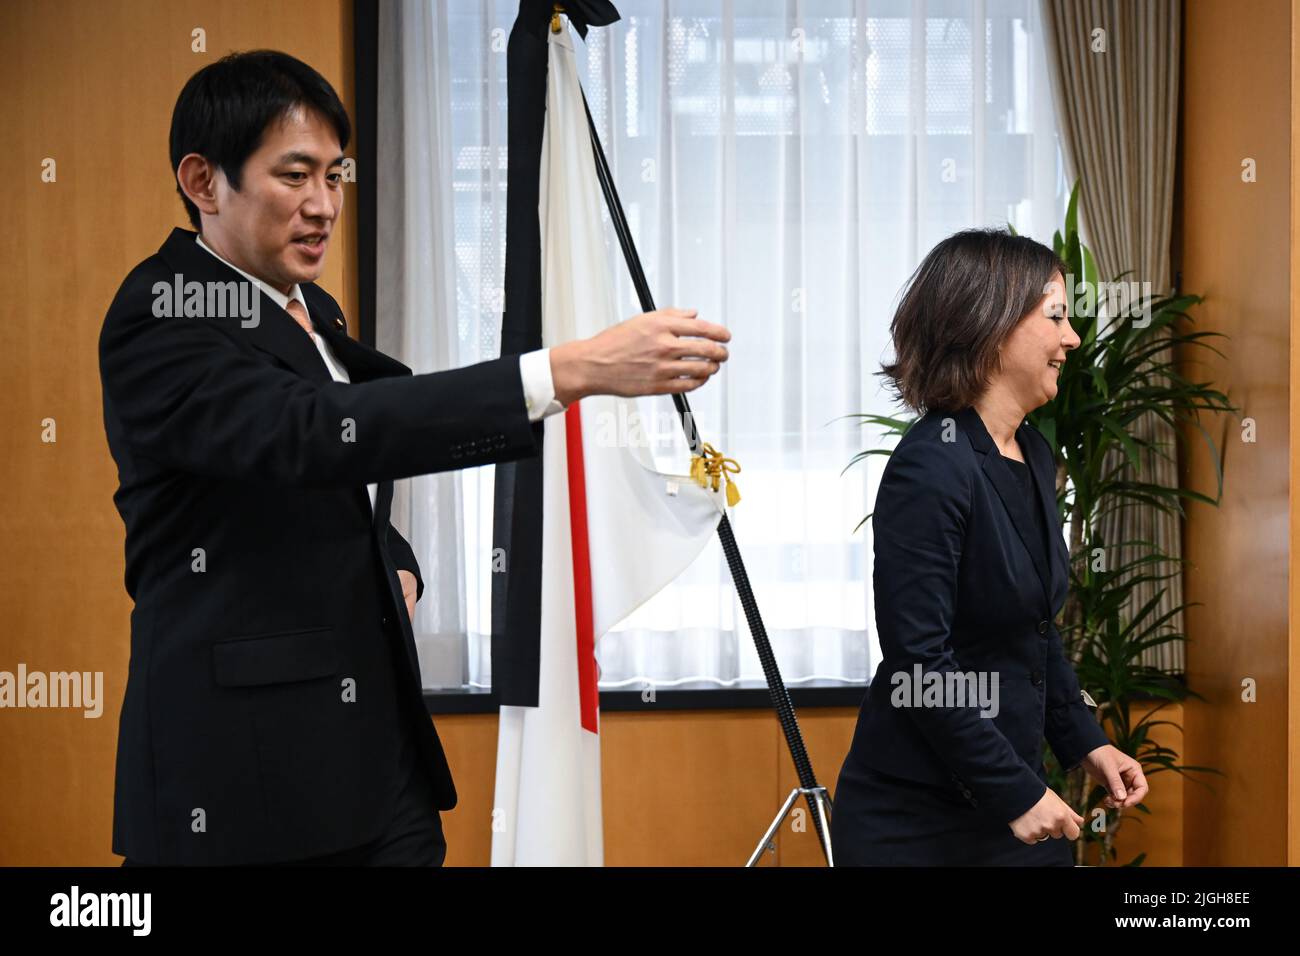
x=1043 y=626
x=1036 y=678
x=338 y=321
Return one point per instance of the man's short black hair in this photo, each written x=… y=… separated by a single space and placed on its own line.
x=225 y=108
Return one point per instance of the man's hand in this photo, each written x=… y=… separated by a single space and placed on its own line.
x=655 y=353
x=1119 y=773
x=1049 y=817
x=409 y=588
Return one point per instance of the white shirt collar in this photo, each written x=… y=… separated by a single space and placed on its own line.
x=278 y=297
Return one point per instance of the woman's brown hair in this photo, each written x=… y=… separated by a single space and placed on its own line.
x=964 y=299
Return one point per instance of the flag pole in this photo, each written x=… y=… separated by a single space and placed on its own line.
x=819 y=801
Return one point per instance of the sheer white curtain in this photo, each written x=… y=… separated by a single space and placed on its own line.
x=785 y=165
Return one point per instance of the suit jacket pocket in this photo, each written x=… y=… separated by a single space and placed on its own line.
x=282 y=657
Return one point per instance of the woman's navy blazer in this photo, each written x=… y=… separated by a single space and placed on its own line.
x=961 y=588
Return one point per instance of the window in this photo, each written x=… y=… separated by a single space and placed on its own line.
x=782 y=174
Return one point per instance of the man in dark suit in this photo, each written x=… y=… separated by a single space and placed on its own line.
x=273 y=709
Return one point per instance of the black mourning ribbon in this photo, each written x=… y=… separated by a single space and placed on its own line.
x=581 y=13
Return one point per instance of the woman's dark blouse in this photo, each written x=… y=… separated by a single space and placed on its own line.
x=1026 y=482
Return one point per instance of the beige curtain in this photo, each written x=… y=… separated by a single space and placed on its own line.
x=1114 y=69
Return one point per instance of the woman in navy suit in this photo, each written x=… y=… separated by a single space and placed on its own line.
x=970 y=571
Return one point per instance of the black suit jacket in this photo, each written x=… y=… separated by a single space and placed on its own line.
x=273 y=667
x=960 y=586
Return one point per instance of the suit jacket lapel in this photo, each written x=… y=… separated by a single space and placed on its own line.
x=1043 y=468
x=278 y=334
x=1008 y=489
x=362 y=362
x=275 y=331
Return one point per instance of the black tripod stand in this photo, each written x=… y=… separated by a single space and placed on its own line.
x=819 y=801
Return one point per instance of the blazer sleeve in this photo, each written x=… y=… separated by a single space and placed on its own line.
x=188 y=395
x=404 y=558
x=920 y=520
x=1069 y=726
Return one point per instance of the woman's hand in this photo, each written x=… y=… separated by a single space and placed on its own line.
x=410 y=588
x=1049 y=817
x=1119 y=773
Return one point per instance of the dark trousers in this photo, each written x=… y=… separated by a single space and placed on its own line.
x=881 y=820
x=413 y=838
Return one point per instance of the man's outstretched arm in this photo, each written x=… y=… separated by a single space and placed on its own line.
x=188 y=395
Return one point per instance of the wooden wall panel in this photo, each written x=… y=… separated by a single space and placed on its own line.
x=1293 y=578
x=470 y=742
x=687 y=788
x=680 y=788
x=1234 y=249
x=1160 y=835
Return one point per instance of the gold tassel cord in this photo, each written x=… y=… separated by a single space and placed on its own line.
x=555 y=17
x=707 y=469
